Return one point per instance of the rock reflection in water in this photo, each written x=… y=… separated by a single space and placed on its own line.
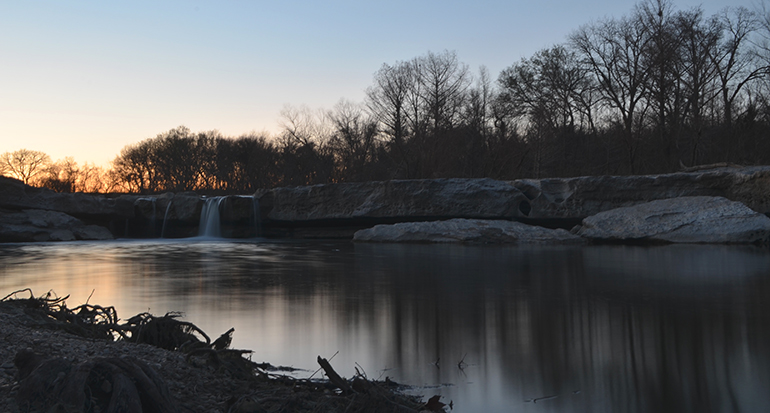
x=675 y=328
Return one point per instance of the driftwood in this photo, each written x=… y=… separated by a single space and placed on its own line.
x=333 y=376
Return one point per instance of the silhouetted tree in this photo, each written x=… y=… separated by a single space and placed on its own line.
x=304 y=157
x=62 y=175
x=24 y=164
x=699 y=37
x=247 y=163
x=647 y=92
x=614 y=52
x=552 y=92
x=353 y=141
x=735 y=64
x=388 y=101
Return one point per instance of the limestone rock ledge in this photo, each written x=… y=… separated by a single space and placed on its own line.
x=584 y=196
x=695 y=219
x=16 y=196
x=561 y=201
x=397 y=199
x=34 y=225
x=466 y=231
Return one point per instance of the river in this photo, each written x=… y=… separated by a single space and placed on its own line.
x=490 y=328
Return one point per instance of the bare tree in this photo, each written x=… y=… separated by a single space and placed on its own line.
x=417 y=103
x=353 y=141
x=304 y=155
x=444 y=81
x=25 y=164
x=303 y=126
x=134 y=169
x=92 y=179
x=552 y=93
x=478 y=104
x=62 y=175
x=614 y=51
x=735 y=64
x=388 y=100
x=552 y=85
x=662 y=57
x=697 y=73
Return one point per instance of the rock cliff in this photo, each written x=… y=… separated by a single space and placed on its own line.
x=341 y=209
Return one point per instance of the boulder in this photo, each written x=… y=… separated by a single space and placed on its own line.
x=688 y=219
x=38 y=225
x=466 y=231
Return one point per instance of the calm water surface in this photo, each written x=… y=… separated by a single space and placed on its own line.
x=514 y=329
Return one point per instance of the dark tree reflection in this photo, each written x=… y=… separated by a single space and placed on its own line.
x=600 y=329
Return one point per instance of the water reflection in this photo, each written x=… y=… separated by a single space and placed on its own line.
x=675 y=328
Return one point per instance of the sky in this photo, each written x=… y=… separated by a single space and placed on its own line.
x=86 y=78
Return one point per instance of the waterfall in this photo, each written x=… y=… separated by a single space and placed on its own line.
x=165 y=219
x=231 y=216
x=210 y=221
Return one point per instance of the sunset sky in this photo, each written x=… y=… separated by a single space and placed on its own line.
x=86 y=78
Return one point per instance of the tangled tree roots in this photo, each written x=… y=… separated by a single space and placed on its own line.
x=165 y=332
x=89 y=321
x=97 y=322
x=127 y=385
x=109 y=385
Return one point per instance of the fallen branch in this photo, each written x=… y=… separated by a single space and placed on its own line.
x=334 y=378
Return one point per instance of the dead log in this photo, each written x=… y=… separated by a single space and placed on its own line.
x=334 y=378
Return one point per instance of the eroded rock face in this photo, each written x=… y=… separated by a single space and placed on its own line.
x=37 y=225
x=680 y=220
x=556 y=202
x=184 y=206
x=581 y=197
x=534 y=199
x=466 y=231
x=428 y=198
x=15 y=195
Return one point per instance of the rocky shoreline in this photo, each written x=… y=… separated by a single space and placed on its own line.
x=696 y=203
x=51 y=361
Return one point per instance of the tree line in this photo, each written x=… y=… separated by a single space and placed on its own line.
x=653 y=91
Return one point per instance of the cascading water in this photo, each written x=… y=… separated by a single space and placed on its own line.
x=236 y=214
x=210 y=225
x=165 y=219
